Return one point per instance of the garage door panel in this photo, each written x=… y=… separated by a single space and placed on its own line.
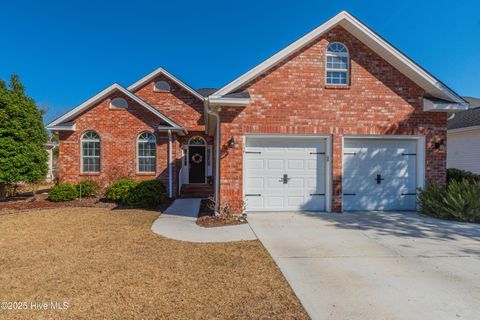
x=369 y=202
x=274 y=202
x=275 y=164
x=295 y=164
x=303 y=161
x=274 y=183
x=296 y=183
x=395 y=163
x=255 y=201
x=254 y=182
x=255 y=164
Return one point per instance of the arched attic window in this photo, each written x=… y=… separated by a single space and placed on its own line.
x=338 y=64
x=161 y=86
x=119 y=103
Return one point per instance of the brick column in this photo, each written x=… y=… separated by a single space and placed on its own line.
x=337 y=155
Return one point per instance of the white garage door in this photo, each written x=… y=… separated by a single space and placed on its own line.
x=284 y=175
x=379 y=174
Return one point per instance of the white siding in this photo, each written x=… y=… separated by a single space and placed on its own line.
x=463 y=150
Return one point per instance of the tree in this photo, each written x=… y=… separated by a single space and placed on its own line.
x=22 y=137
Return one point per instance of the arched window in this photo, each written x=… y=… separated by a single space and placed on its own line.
x=146 y=152
x=119 y=103
x=199 y=141
x=90 y=152
x=162 y=86
x=337 y=64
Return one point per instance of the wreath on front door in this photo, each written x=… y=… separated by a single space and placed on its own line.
x=197 y=158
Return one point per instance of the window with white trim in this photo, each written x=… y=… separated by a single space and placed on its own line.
x=90 y=152
x=337 y=64
x=146 y=152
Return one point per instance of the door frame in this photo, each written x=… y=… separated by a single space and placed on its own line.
x=420 y=141
x=328 y=158
x=186 y=154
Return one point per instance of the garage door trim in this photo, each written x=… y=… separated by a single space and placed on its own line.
x=420 y=176
x=328 y=159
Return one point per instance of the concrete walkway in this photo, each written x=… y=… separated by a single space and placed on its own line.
x=178 y=223
x=376 y=265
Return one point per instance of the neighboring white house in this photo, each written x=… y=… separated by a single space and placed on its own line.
x=463 y=138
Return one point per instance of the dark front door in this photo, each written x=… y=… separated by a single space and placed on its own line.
x=197 y=164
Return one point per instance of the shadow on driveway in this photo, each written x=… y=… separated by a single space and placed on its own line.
x=402 y=224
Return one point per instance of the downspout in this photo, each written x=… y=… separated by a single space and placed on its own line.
x=217 y=151
x=170 y=164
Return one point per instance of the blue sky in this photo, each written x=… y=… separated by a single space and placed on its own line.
x=67 y=51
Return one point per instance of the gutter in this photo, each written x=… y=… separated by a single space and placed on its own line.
x=233 y=102
x=215 y=114
x=170 y=191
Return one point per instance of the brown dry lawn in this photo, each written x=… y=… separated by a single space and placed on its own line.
x=107 y=264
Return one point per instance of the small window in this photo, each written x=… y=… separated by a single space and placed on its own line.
x=337 y=64
x=119 y=103
x=197 y=141
x=162 y=86
x=90 y=152
x=146 y=152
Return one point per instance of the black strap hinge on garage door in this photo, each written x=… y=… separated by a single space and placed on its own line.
x=253 y=195
x=317 y=152
x=349 y=153
x=253 y=152
x=409 y=154
x=409 y=194
x=317 y=194
x=349 y=194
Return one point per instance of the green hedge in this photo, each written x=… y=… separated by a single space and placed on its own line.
x=146 y=193
x=88 y=188
x=460 y=200
x=119 y=190
x=458 y=175
x=63 y=192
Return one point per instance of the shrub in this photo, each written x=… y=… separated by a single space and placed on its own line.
x=147 y=193
x=88 y=188
x=458 y=175
x=63 y=192
x=460 y=200
x=119 y=190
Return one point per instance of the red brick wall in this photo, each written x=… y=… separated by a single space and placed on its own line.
x=293 y=98
x=118 y=130
x=179 y=104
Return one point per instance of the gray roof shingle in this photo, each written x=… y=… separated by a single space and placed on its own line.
x=208 y=91
x=467 y=118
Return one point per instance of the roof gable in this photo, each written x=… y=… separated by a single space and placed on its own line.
x=149 y=77
x=59 y=123
x=359 y=30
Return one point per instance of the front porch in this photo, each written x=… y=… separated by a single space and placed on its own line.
x=195 y=178
x=196 y=190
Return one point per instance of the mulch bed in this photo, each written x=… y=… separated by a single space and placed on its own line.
x=41 y=202
x=22 y=203
x=207 y=219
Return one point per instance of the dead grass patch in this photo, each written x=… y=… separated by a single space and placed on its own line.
x=107 y=264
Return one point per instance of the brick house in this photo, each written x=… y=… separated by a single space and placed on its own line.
x=337 y=120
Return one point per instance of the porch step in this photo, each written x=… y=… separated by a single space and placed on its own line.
x=199 y=190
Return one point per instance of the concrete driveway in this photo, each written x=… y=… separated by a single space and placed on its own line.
x=376 y=265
